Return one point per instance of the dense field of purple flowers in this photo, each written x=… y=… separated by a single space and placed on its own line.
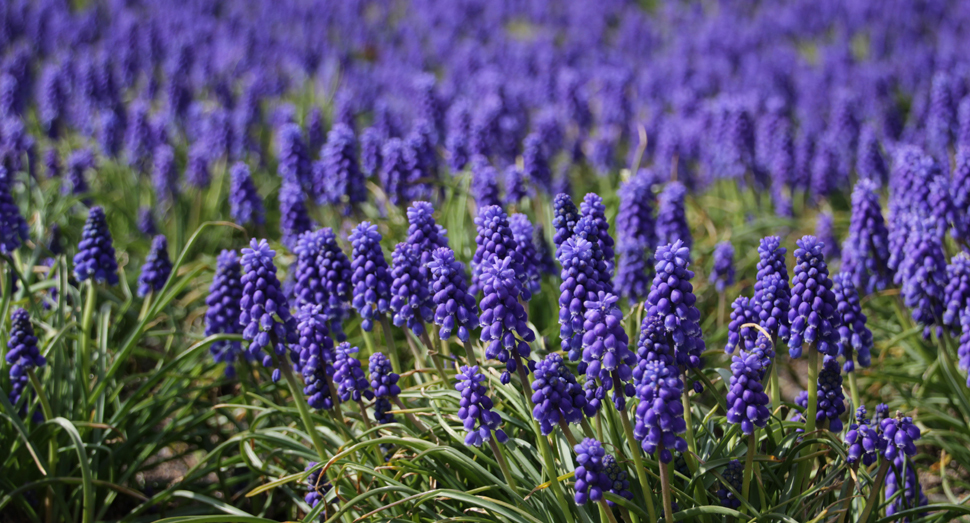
x=461 y=260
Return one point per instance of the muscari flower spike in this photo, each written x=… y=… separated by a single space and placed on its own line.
x=13 y=228
x=348 y=375
x=607 y=360
x=565 y=218
x=455 y=309
x=95 y=258
x=384 y=382
x=222 y=312
x=733 y=474
x=475 y=408
x=411 y=299
x=619 y=484
x=579 y=285
x=591 y=477
x=660 y=413
x=592 y=207
x=557 y=395
x=245 y=204
x=813 y=307
x=265 y=311
x=370 y=275
x=831 y=400
x=855 y=339
x=294 y=216
x=317 y=355
x=746 y=398
x=523 y=233
x=865 y=253
x=722 y=274
x=743 y=312
x=157 y=267
x=495 y=240
x=505 y=330
x=22 y=355
x=922 y=274
x=772 y=294
x=671 y=217
x=956 y=294
x=324 y=277
x=672 y=298
x=863 y=440
x=636 y=236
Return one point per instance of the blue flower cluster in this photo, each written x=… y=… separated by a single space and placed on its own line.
x=475 y=408
x=410 y=292
x=454 y=306
x=591 y=477
x=565 y=218
x=746 y=399
x=722 y=274
x=383 y=380
x=316 y=356
x=672 y=218
x=863 y=440
x=772 y=295
x=157 y=267
x=865 y=253
x=557 y=395
x=579 y=285
x=245 y=204
x=619 y=484
x=855 y=338
x=95 y=258
x=523 y=233
x=264 y=309
x=505 y=330
x=660 y=413
x=222 y=313
x=733 y=475
x=607 y=360
x=813 y=307
x=348 y=375
x=370 y=275
x=672 y=298
x=495 y=240
x=742 y=313
x=22 y=355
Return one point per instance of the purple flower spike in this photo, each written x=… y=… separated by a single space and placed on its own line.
x=348 y=375
x=505 y=330
x=22 y=355
x=523 y=233
x=95 y=258
x=370 y=275
x=671 y=218
x=660 y=413
x=813 y=307
x=245 y=204
x=746 y=398
x=324 y=277
x=410 y=291
x=672 y=298
x=722 y=274
x=865 y=253
x=157 y=267
x=454 y=306
x=557 y=395
x=222 y=313
x=636 y=236
x=566 y=215
x=591 y=477
x=743 y=311
x=855 y=339
x=317 y=356
x=607 y=358
x=384 y=382
x=580 y=283
x=495 y=240
x=265 y=311
x=475 y=409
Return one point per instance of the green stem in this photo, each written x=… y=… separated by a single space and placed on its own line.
x=587 y=430
x=44 y=404
x=608 y=511
x=748 y=469
x=567 y=432
x=302 y=407
x=854 y=390
x=502 y=464
x=873 y=499
x=373 y=435
x=700 y=492
x=389 y=341
x=435 y=359
x=638 y=463
x=805 y=468
x=847 y=495
x=773 y=380
x=86 y=319
x=665 y=487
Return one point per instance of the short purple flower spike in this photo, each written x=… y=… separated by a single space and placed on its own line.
x=455 y=308
x=813 y=307
x=475 y=409
x=265 y=311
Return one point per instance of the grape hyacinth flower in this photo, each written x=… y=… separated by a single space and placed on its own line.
x=484 y=185
x=743 y=311
x=505 y=331
x=671 y=218
x=813 y=307
x=13 y=227
x=384 y=382
x=855 y=339
x=863 y=440
x=157 y=267
x=870 y=164
x=660 y=413
x=294 y=159
x=865 y=253
x=831 y=402
x=733 y=475
x=545 y=263
x=747 y=402
x=956 y=294
x=523 y=233
x=458 y=135
x=672 y=297
x=607 y=358
x=424 y=233
x=95 y=258
x=825 y=232
x=592 y=208
x=197 y=166
x=722 y=275
x=245 y=204
x=565 y=217
x=772 y=295
x=317 y=356
x=370 y=274
x=535 y=163
x=410 y=292
x=324 y=277
x=78 y=162
x=294 y=217
x=579 y=285
x=455 y=309
x=515 y=187
x=654 y=343
x=146 y=222
x=475 y=408
x=342 y=181
x=619 y=484
x=899 y=435
x=591 y=477
x=636 y=236
x=348 y=375
x=922 y=274
x=370 y=151
x=22 y=356
x=222 y=309
x=587 y=229
x=317 y=486
x=557 y=395
x=265 y=311
x=495 y=240
x=164 y=175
